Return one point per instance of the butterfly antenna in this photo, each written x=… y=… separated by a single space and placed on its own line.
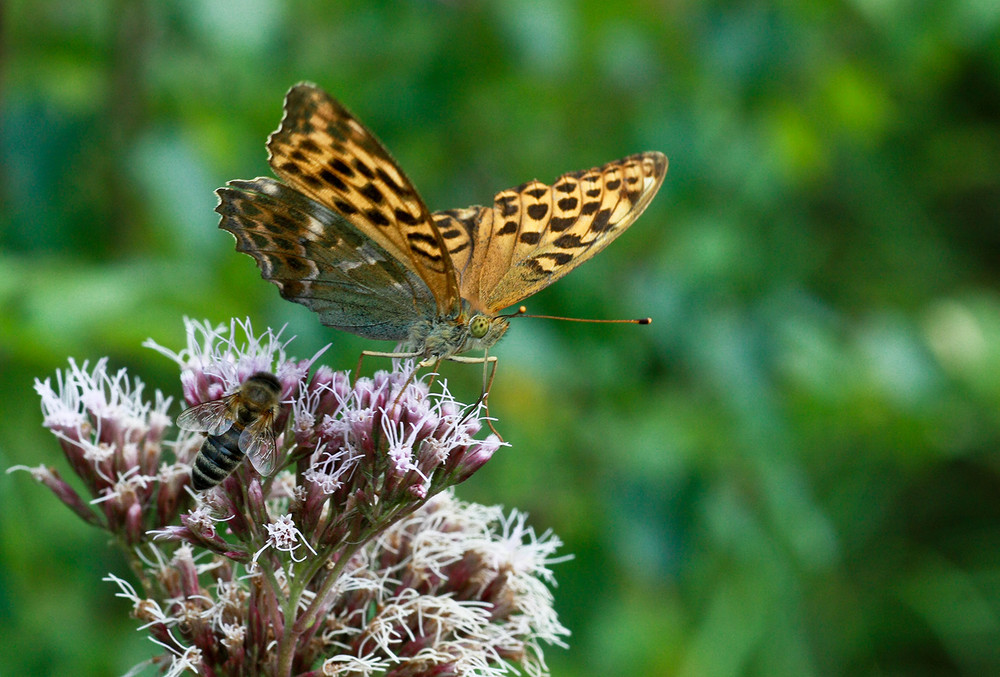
x=521 y=312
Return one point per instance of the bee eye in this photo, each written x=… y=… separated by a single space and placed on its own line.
x=479 y=325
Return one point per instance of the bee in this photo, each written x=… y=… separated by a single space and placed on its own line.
x=239 y=424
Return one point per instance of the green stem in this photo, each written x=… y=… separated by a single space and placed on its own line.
x=294 y=629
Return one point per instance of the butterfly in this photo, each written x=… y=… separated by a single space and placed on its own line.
x=345 y=233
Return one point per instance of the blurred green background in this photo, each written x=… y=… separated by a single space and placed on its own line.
x=793 y=471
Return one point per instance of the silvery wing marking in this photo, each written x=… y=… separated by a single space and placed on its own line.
x=317 y=258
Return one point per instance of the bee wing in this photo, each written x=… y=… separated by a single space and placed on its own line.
x=214 y=418
x=257 y=442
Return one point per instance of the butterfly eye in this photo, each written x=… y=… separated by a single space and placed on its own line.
x=478 y=326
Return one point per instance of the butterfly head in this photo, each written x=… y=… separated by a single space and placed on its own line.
x=485 y=330
x=445 y=337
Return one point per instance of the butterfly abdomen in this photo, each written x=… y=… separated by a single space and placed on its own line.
x=219 y=456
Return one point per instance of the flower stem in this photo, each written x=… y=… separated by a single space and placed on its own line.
x=294 y=630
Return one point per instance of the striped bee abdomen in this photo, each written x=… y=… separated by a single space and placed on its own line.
x=219 y=456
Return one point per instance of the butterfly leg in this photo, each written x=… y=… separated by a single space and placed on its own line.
x=377 y=353
x=435 y=370
x=487 y=383
x=413 y=375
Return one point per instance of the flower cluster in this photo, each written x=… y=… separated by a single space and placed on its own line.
x=352 y=559
x=114 y=441
x=452 y=589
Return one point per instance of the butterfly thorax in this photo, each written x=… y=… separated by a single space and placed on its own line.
x=443 y=337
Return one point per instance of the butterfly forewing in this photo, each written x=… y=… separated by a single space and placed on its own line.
x=540 y=233
x=321 y=150
x=320 y=260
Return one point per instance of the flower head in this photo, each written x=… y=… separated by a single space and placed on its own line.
x=113 y=440
x=353 y=559
x=446 y=601
x=218 y=359
x=284 y=536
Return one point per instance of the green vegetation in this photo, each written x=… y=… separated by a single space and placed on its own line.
x=793 y=471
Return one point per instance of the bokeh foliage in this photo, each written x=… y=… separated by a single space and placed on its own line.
x=793 y=471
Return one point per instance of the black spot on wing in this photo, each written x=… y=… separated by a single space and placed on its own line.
x=601 y=221
x=363 y=169
x=405 y=217
x=341 y=167
x=425 y=244
x=332 y=179
x=377 y=217
x=387 y=180
x=416 y=237
x=538 y=211
x=508 y=205
x=536 y=267
x=345 y=208
x=281 y=222
x=337 y=131
x=371 y=191
x=559 y=223
x=248 y=209
x=567 y=241
x=296 y=264
x=559 y=258
x=283 y=244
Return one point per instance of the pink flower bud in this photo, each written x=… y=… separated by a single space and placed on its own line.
x=476 y=458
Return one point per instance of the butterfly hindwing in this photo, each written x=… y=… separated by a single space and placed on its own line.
x=322 y=261
x=321 y=150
